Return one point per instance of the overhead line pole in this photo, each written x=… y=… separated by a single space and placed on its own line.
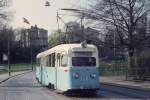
x=31 y=51
x=58 y=25
x=8 y=53
x=82 y=26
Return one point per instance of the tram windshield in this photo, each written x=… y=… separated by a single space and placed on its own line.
x=84 y=61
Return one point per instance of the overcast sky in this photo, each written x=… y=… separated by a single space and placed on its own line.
x=37 y=13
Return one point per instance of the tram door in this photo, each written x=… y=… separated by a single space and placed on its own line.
x=54 y=69
x=57 y=68
x=41 y=70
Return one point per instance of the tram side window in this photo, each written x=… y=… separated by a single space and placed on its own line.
x=47 y=60
x=58 y=59
x=53 y=60
x=44 y=62
x=64 y=60
x=38 y=61
x=50 y=61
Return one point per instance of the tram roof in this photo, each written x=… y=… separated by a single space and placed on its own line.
x=65 y=47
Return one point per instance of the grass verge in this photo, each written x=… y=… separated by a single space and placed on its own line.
x=17 y=67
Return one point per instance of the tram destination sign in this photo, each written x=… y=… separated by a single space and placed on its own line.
x=78 y=54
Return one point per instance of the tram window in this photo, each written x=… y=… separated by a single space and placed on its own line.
x=53 y=60
x=38 y=61
x=58 y=59
x=50 y=61
x=47 y=60
x=81 y=54
x=44 y=61
x=83 y=61
x=64 y=60
x=41 y=62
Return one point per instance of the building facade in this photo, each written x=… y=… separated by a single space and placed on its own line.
x=34 y=37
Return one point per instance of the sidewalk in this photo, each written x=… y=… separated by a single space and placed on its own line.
x=4 y=77
x=120 y=81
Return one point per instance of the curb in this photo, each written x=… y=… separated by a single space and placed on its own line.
x=14 y=76
x=126 y=86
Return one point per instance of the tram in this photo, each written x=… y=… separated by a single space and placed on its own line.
x=69 y=67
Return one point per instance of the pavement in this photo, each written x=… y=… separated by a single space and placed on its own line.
x=120 y=81
x=4 y=77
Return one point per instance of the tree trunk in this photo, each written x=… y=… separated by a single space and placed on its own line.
x=134 y=68
x=130 y=68
x=138 y=65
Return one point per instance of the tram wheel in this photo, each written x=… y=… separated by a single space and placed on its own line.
x=52 y=87
x=49 y=86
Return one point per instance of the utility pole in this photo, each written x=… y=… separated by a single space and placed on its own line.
x=66 y=35
x=31 y=52
x=9 y=69
x=30 y=45
x=82 y=26
x=8 y=53
x=58 y=25
x=57 y=19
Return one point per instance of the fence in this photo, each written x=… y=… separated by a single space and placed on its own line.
x=3 y=69
x=15 y=67
x=120 y=68
x=114 y=68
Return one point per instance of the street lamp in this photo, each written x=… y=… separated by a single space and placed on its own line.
x=8 y=50
x=70 y=9
x=47 y=4
x=8 y=46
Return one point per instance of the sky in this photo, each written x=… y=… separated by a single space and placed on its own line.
x=44 y=17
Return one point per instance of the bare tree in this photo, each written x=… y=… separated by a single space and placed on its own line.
x=5 y=13
x=125 y=16
x=6 y=33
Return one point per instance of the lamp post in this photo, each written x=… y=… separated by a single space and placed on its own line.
x=31 y=56
x=57 y=17
x=47 y=4
x=8 y=53
x=31 y=47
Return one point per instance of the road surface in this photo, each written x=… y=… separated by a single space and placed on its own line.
x=25 y=87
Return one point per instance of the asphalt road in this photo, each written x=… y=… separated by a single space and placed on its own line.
x=25 y=87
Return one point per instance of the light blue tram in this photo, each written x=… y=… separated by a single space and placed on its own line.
x=69 y=67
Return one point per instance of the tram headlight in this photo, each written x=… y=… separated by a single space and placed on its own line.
x=93 y=76
x=76 y=75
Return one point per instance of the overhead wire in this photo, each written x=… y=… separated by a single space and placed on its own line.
x=66 y=24
x=75 y=5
